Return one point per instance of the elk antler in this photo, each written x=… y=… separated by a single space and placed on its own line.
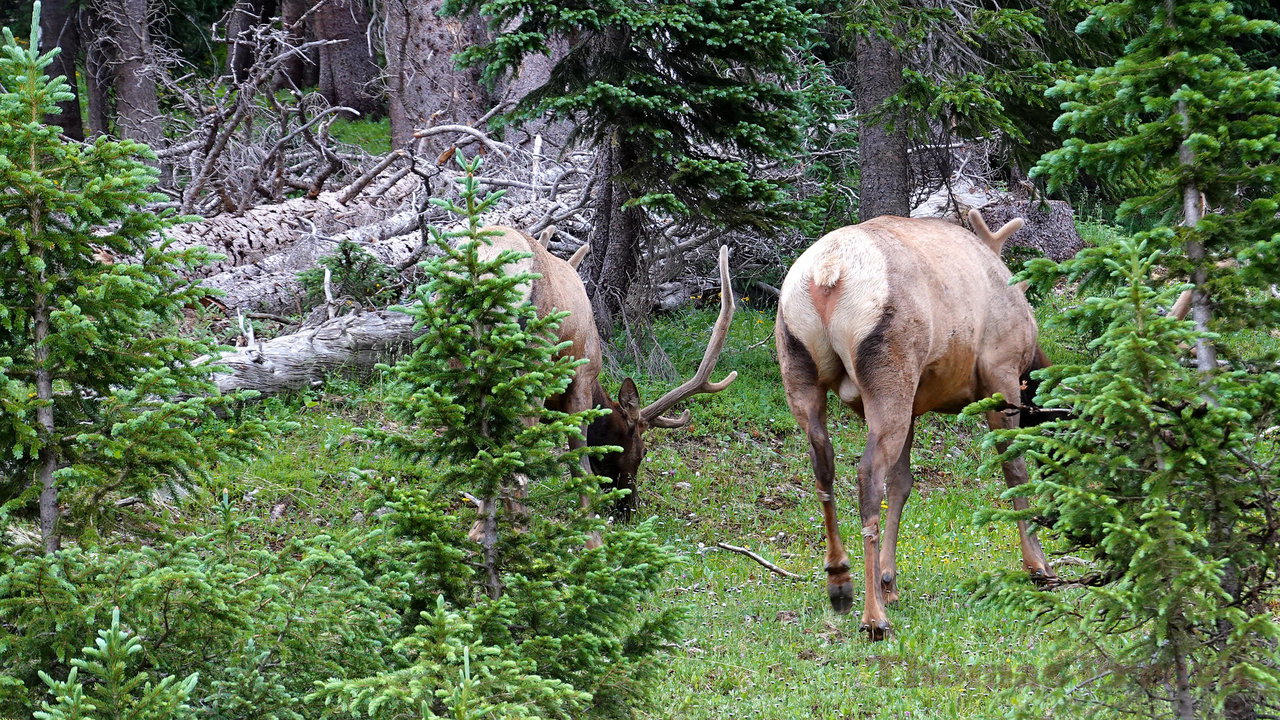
x=701 y=381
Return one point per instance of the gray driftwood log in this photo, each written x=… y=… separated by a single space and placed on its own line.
x=349 y=344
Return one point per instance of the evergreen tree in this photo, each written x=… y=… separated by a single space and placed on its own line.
x=678 y=99
x=523 y=619
x=90 y=370
x=115 y=693
x=1164 y=471
x=926 y=72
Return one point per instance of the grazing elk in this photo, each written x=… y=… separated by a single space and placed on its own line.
x=900 y=317
x=560 y=289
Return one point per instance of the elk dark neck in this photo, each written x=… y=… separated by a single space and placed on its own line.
x=1033 y=414
x=605 y=430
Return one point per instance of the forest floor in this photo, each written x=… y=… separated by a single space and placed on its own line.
x=756 y=645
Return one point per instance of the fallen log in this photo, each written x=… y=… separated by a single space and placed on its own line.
x=350 y=344
x=269 y=229
x=271 y=284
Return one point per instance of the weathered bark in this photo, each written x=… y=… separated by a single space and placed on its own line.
x=271 y=285
x=301 y=70
x=354 y=343
x=348 y=69
x=60 y=28
x=1050 y=227
x=424 y=87
x=269 y=229
x=882 y=138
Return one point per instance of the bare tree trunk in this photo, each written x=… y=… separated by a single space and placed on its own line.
x=348 y=69
x=424 y=87
x=885 y=188
x=134 y=68
x=301 y=70
x=614 y=262
x=97 y=74
x=241 y=19
x=351 y=343
x=268 y=229
x=60 y=27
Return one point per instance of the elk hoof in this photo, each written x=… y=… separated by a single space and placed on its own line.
x=889 y=588
x=876 y=630
x=841 y=595
x=1044 y=577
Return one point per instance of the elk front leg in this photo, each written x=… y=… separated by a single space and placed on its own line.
x=1015 y=474
x=899 y=488
x=584 y=470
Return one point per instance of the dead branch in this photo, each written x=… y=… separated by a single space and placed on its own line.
x=765 y=563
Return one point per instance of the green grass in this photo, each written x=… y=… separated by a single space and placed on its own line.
x=757 y=645
x=372 y=135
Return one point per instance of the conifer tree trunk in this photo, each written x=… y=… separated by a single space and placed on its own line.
x=300 y=70
x=614 y=262
x=347 y=69
x=134 y=69
x=97 y=75
x=883 y=151
x=47 y=462
x=240 y=46
x=60 y=27
x=423 y=86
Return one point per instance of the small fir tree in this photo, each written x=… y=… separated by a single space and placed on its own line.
x=114 y=692
x=1144 y=475
x=1164 y=472
x=528 y=621
x=679 y=99
x=89 y=366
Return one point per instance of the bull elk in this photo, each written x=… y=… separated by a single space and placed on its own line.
x=560 y=289
x=900 y=317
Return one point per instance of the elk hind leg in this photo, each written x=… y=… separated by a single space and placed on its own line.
x=899 y=488
x=808 y=403
x=889 y=425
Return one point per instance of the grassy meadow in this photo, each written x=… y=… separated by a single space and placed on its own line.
x=756 y=645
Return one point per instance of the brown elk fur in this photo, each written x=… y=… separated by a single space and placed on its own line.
x=900 y=317
x=560 y=289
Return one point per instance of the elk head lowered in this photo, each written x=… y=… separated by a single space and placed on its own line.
x=560 y=289
x=900 y=317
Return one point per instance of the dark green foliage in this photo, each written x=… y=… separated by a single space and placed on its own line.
x=1176 y=499
x=523 y=619
x=259 y=623
x=115 y=692
x=1164 y=471
x=689 y=93
x=354 y=276
x=974 y=69
x=1128 y=130
x=91 y=339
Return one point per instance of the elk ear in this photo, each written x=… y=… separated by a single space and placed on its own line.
x=1022 y=287
x=629 y=400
